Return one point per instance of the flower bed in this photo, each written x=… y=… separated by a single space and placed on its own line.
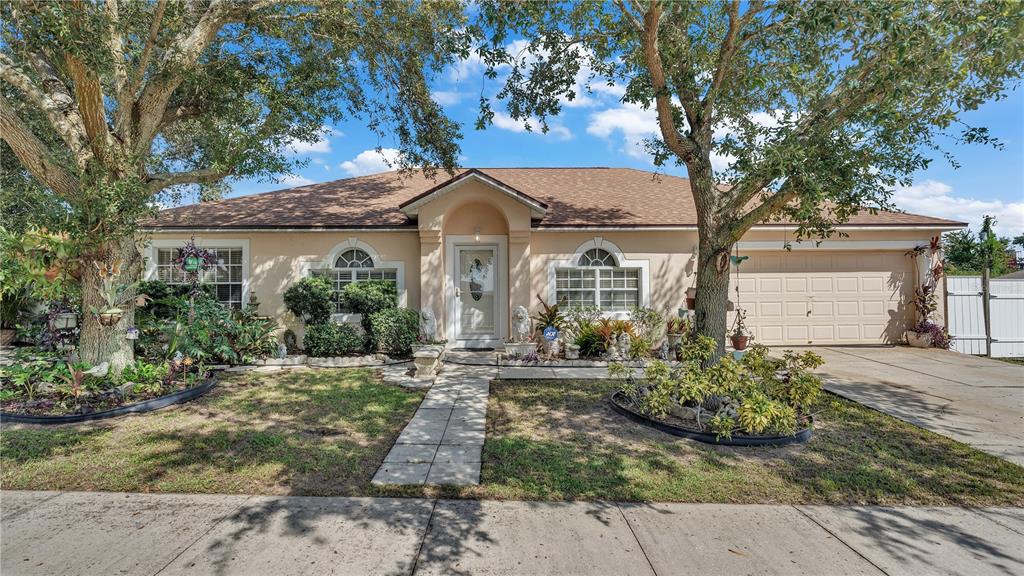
x=56 y=387
x=758 y=399
x=135 y=407
x=687 y=428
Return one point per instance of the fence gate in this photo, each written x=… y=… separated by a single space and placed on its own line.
x=965 y=318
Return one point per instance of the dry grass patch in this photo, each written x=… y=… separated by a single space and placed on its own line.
x=312 y=432
x=556 y=440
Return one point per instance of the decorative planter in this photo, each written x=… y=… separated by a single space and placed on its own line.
x=691 y=298
x=619 y=404
x=7 y=337
x=919 y=339
x=674 y=340
x=111 y=317
x=551 y=347
x=740 y=342
x=139 y=407
x=65 y=321
x=572 y=352
x=520 y=349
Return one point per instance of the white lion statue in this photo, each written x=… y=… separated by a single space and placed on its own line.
x=428 y=326
x=521 y=323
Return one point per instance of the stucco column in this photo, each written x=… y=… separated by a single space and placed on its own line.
x=518 y=270
x=432 y=277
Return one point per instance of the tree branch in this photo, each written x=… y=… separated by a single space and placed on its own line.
x=34 y=154
x=181 y=56
x=158 y=182
x=57 y=104
x=147 y=49
x=725 y=57
x=121 y=94
x=760 y=213
x=679 y=144
x=89 y=95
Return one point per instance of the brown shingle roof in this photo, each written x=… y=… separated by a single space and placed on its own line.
x=599 y=197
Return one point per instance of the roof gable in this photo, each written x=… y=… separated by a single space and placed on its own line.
x=411 y=206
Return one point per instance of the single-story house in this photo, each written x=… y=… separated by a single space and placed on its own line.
x=473 y=247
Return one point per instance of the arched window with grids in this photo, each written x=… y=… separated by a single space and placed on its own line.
x=597 y=279
x=354 y=265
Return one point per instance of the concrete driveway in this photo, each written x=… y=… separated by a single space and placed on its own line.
x=973 y=400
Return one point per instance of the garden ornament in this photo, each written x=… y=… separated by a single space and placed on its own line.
x=625 y=343
x=428 y=325
x=99 y=370
x=520 y=323
x=663 y=354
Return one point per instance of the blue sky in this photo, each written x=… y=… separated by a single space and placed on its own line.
x=598 y=130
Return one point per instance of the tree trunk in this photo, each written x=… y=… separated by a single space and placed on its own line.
x=99 y=343
x=712 y=289
x=714 y=246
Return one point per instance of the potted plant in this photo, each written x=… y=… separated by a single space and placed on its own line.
x=114 y=294
x=926 y=333
x=675 y=328
x=740 y=335
x=550 y=318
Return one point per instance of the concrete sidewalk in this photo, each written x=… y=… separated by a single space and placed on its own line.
x=110 y=533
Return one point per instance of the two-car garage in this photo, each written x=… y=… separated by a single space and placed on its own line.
x=807 y=296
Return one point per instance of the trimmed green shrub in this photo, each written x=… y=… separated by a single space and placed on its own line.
x=310 y=299
x=330 y=339
x=394 y=330
x=368 y=298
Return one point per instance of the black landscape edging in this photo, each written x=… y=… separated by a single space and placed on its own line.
x=707 y=437
x=137 y=408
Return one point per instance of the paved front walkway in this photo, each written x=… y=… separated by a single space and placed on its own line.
x=443 y=441
x=977 y=401
x=170 y=534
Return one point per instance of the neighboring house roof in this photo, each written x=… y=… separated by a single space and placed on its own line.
x=565 y=197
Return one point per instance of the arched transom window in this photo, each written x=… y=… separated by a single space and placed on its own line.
x=354 y=265
x=598 y=280
x=354 y=258
x=597 y=257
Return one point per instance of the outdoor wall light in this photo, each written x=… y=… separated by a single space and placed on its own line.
x=476 y=233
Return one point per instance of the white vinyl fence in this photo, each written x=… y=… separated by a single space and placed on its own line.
x=965 y=318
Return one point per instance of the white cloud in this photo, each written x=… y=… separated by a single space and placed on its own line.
x=319 y=146
x=934 y=198
x=294 y=180
x=631 y=120
x=447 y=97
x=371 y=162
x=505 y=122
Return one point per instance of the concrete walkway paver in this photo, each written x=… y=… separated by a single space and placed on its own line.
x=977 y=401
x=442 y=444
x=171 y=534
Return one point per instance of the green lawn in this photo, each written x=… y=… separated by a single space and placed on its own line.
x=557 y=440
x=315 y=432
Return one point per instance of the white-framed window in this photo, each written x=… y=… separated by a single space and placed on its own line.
x=353 y=265
x=597 y=279
x=227 y=278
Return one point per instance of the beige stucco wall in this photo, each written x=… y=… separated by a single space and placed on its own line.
x=277 y=259
x=668 y=254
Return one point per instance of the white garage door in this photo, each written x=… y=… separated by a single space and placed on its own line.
x=805 y=297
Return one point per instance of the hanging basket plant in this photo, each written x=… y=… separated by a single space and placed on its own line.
x=192 y=259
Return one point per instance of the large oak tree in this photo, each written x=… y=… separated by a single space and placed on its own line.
x=109 y=104
x=818 y=108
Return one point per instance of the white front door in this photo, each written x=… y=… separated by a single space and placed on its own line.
x=477 y=282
